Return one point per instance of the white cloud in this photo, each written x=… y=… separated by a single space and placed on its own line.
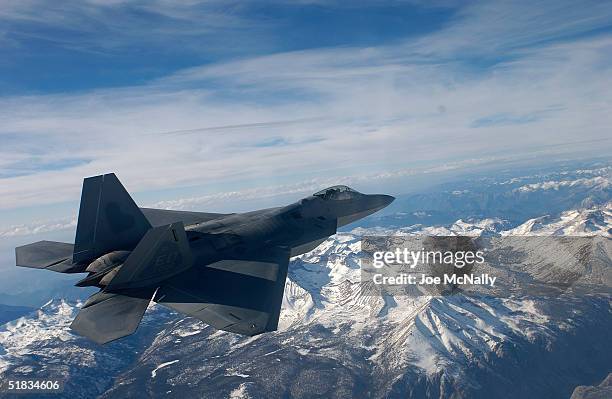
x=353 y=111
x=500 y=28
x=602 y=182
x=103 y=26
x=37 y=227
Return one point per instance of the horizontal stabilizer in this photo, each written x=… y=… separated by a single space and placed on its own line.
x=51 y=255
x=106 y=317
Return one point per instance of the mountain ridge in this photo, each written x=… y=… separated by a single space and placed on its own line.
x=333 y=333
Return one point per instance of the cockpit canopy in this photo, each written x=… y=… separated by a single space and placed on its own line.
x=337 y=193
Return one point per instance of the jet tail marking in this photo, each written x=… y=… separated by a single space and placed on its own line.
x=162 y=252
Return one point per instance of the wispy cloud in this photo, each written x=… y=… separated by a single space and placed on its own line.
x=37 y=227
x=354 y=109
x=514 y=119
x=101 y=26
x=500 y=29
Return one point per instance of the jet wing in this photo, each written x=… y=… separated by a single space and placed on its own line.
x=237 y=295
x=161 y=217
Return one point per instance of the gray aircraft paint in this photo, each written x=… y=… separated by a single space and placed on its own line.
x=228 y=270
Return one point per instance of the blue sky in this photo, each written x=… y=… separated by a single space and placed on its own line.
x=84 y=46
x=205 y=104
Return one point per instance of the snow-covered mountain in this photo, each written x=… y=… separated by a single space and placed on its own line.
x=41 y=344
x=514 y=198
x=336 y=339
x=584 y=222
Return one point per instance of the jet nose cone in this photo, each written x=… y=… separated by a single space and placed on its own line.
x=388 y=199
x=365 y=205
x=380 y=200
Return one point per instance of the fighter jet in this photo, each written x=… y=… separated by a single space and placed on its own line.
x=228 y=270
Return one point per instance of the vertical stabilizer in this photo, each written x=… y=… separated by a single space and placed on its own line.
x=109 y=219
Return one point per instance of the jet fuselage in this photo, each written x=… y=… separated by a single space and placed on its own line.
x=300 y=227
